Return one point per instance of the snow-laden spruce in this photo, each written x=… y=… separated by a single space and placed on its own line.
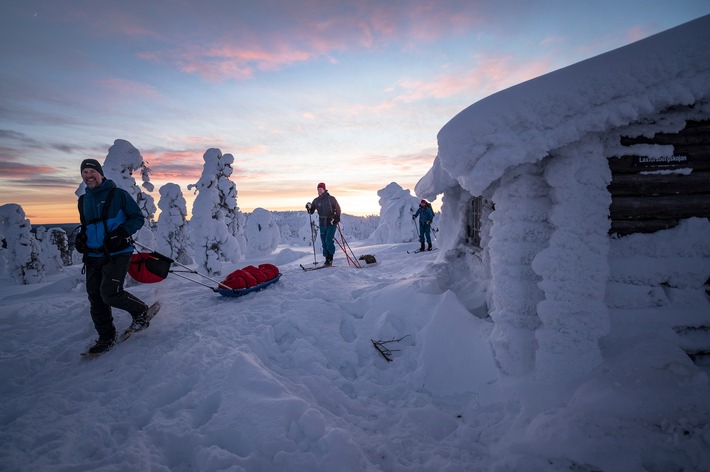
x=217 y=224
x=172 y=230
x=262 y=233
x=122 y=162
x=23 y=261
x=397 y=206
x=53 y=249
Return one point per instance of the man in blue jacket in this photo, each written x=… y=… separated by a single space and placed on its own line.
x=426 y=215
x=328 y=218
x=104 y=241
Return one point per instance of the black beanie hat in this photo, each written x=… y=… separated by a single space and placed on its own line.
x=94 y=164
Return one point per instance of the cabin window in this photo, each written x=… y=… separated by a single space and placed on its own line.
x=480 y=208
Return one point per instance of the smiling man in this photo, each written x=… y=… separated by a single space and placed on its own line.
x=109 y=216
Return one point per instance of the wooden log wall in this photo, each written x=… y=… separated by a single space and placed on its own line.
x=645 y=202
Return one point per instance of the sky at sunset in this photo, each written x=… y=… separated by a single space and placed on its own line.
x=348 y=93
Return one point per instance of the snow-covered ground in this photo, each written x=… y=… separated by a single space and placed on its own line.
x=288 y=379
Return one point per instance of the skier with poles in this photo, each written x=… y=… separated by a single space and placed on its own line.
x=426 y=215
x=328 y=218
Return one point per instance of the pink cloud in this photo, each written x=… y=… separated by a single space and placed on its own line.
x=239 y=40
x=492 y=74
x=124 y=88
x=186 y=165
x=11 y=169
x=640 y=32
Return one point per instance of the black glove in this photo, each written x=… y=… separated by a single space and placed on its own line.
x=117 y=240
x=336 y=220
x=308 y=207
x=414 y=217
x=80 y=243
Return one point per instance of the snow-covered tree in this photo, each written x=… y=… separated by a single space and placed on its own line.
x=262 y=233
x=216 y=224
x=358 y=228
x=23 y=261
x=122 y=161
x=295 y=229
x=59 y=238
x=396 y=209
x=172 y=229
x=50 y=253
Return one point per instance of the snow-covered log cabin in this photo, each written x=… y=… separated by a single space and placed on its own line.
x=579 y=202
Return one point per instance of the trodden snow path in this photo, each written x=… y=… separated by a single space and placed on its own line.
x=288 y=379
x=287 y=375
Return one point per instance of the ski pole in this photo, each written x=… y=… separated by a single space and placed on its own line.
x=313 y=237
x=345 y=247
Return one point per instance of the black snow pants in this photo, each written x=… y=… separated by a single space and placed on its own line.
x=104 y=285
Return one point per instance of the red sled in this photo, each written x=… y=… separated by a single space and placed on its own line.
x=152 y=267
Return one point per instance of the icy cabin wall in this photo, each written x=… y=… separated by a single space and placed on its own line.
x=545 y=240
x=547 y=248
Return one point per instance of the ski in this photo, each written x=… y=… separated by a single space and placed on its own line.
x=315 y=267
x=152 y=311
x=418 y=251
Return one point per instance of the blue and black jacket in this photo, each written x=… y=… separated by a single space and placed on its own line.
x=425 y=214
x=122 y=211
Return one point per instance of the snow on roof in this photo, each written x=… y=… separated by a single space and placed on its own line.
x=526 y=122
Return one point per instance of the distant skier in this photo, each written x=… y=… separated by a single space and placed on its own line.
x=426 y=215
x=328 y=218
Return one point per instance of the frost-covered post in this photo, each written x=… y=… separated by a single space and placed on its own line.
x=122 y=161
x=517 y=234
x=262 y=233
x=396 y=209
x=574 y=267
x=172 y=229
x=215 y=214
x=23 y=261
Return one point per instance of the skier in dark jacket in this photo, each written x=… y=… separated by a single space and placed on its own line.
x=328 y=218
x=426 y=215
x=104 y=241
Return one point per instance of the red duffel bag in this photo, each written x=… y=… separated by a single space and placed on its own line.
x=258 y=274
x=239 y=279
x=270 y=270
